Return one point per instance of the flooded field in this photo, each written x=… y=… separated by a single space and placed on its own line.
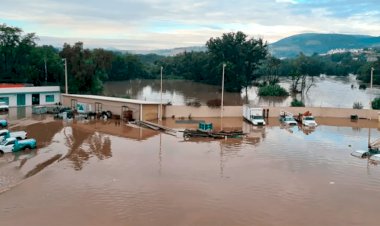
x=107 y=173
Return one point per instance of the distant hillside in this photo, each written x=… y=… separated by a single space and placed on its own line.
x=170 y=52
x=310 y=43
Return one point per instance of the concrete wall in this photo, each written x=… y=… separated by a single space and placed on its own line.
x=236 y=111
x=202 y=111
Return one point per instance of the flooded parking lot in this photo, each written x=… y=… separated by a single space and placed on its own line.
x=107 y=173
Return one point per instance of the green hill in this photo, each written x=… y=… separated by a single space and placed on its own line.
x=310 y=43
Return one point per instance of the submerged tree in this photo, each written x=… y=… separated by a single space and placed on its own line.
x=241 y=55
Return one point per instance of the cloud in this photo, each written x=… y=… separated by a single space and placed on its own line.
x=139 y=24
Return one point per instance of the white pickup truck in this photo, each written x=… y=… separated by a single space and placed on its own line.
x=20 y=135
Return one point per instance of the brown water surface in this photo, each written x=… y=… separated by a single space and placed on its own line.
x=107 y=173
x=327 y=91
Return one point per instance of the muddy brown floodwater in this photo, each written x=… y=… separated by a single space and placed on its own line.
x=107 y=173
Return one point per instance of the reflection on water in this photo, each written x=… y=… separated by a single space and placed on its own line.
x=327 y=92
x=276 y=175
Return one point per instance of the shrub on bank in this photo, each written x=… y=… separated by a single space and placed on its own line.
x=194 y=103
x=215 y=103
x=273 y=90
x=357 y=105
x=297 y=103
x=376 y=103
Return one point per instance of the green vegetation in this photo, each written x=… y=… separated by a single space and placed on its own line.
x=214 y=103
x=297 y=103
x=357 y=105
x=376 y=103
x=272 y=90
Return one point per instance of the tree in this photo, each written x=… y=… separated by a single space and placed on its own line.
x=84 y=76
x=241 y=55
x=15 y=50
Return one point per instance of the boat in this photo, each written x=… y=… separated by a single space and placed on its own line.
x=206 y=130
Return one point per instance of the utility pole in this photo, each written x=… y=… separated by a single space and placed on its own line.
x=161 y=97
x=221 y=104
x=66 y=85
x=45 y=71
x=372 y=69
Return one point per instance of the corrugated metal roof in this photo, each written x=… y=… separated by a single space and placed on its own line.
x=33 y=89
x=116 y=99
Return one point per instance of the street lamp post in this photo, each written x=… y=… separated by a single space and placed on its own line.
x=160 y=118
x=221 y=104
x=372 y=69
x=66 y=85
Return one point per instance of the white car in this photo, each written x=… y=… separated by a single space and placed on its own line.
x=4 y=106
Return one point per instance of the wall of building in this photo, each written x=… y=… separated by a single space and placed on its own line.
x=12 y=99
x=150 y=112
x=202 y=111
x=114 y=107
x=57 y=98
x=236 y=111
x=28 y=99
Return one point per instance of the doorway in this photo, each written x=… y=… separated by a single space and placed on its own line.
x=36 y=99
x=20 y=99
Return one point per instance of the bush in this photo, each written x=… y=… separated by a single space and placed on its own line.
x=376 y=103
x=362 y=86
x=215 y=103
x=357 y=105
x=194 y=103
x=273 y=90
x=297 y=103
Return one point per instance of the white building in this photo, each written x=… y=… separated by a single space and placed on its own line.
x=28 y=96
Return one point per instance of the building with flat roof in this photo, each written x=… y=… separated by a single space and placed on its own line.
x=28 y=96
x=126 y=108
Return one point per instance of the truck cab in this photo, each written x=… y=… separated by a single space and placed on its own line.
x=309 y=121
x=14 y=145
x=254 y=115
x=20 y=135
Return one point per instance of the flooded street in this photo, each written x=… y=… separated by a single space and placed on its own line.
x=107 y=173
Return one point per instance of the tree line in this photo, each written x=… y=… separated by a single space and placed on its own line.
x=246 y=62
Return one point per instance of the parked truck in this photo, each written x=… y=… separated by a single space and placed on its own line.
x=306 y=119
x=287 y=118
x=254 y=115
x=20 y=135
x=14 y=145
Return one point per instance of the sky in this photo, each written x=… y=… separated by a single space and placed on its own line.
x=164 y=24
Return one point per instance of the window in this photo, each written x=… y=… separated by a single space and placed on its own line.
x=49 y=98
x=4 y=100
